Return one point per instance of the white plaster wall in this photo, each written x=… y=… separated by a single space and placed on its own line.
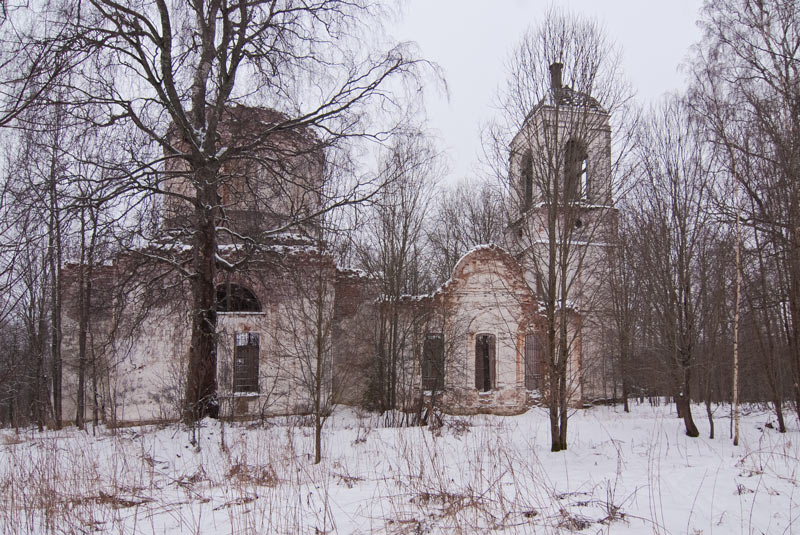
x=488 y=295
x=147 y=371
x=592 y=244
x=144 y=372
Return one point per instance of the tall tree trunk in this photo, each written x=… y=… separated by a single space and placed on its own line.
x=623 y=371
x=43 y=400
x=555 y=431
x=794 y=347
x=95 y=401
x=201 y=384
x=778 y=404
x=684 y=400
x=85 y=282
x=623 y=362
x=563 y=406
x=793 y=328
x=772 y=366
x=38 y=402
x=83 y=327
x=54 y=257
x=710 y=416
x=736 y=330
x=707 y=390
x=394 y=349
x=320 y=369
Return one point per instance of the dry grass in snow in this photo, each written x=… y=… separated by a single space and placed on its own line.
x=624 y=473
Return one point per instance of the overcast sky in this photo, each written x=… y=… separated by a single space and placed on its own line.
x=471 y=39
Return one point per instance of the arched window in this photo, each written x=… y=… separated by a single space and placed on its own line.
x=576 y=171
x=526 y=180
x=235 y=298
x=485 y=362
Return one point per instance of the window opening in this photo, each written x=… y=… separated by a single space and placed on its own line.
x=526 y=177
x=534 y=362
x=433 y=362
x=245 y=362
x=583 y=178
x=234 y=298
x=485 y=362
x=576 y=172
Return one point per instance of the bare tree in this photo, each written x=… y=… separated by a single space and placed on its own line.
x=34 y=191
x=38 y=51
x=467 y=214
x=14 y=384
x=676 y=224
x=305 y=336
x=31 y=307
x=764 y=319
x=391 y=248
x=179 y=75
x=625 y=300
x=745 y=90
x=552 y=150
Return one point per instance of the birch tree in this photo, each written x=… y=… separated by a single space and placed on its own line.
x=745 y=90
x=392 y=249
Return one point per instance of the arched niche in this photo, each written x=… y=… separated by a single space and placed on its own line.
x=235 y=298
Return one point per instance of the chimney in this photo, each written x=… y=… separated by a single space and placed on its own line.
x=555 y=75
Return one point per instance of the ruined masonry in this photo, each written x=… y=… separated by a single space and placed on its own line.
x=478 y=344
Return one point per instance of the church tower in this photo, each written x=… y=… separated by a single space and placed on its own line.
x=269 y=186
x=563 y=220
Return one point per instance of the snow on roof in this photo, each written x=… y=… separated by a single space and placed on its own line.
x=449 y=282
x=283 y=243
x=353 y=273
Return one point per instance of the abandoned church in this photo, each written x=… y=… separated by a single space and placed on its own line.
x=295 y=329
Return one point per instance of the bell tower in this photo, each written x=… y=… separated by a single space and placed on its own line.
x=563 y=221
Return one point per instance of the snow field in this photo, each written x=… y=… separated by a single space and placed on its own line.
x=624 y=473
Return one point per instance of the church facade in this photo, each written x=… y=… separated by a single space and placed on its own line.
x=288 y=315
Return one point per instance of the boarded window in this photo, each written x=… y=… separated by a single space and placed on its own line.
x=534 y=362
x=576 y=172
x=235 y=298
x=484 y=362
x=433 y=362
x=245 y=363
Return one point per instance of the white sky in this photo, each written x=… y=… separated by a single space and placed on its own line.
x=471 y=39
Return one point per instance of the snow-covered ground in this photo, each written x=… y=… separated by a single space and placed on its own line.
x=624 y=473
